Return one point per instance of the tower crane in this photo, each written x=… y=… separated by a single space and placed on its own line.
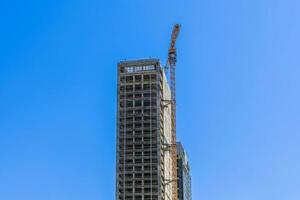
x=172 y=58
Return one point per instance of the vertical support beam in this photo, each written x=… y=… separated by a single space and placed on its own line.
x=172 y=63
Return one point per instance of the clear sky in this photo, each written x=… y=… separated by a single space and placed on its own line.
x=238 y=94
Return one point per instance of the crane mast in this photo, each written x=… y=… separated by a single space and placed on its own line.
x=172 y=58
x=172 y=61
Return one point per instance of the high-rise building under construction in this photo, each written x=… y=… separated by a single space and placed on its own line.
x=183 y=173
x=144 y=132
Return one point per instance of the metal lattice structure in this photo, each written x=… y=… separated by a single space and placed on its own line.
x=172 y=58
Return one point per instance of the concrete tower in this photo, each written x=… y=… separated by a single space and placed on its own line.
x=144 y=162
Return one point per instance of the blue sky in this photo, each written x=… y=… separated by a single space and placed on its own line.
x=238 y=94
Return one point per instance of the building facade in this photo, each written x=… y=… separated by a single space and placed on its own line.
x=144 y=162
x=183 y=174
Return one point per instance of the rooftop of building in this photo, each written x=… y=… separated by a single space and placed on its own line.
x=140 y=62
